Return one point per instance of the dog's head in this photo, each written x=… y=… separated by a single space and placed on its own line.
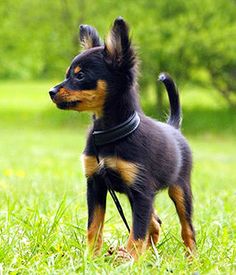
x=99 y=72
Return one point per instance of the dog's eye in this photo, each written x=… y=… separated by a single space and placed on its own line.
x=80 y=75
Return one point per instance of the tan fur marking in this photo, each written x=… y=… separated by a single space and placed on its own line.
x=154 y=230
x=127 y=170
x=136 y=247
x=90 y=165
x=91 y=100
x=95 y=230
x=177 y=194
x=77 y=69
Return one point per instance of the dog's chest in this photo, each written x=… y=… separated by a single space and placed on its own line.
x=127 y=170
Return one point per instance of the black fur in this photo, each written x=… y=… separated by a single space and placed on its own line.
x=175 y=111
x=160 y=150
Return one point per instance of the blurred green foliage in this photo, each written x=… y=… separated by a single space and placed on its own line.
x=193 y=40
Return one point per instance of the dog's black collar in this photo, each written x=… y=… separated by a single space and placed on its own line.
x=118 y=132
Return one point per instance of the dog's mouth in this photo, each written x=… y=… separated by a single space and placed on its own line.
x=68 y=105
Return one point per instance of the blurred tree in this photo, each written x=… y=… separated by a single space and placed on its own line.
x=192 y=40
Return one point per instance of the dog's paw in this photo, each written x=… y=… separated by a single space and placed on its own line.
x=122 y=256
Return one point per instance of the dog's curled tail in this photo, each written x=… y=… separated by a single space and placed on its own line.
x=175 y=109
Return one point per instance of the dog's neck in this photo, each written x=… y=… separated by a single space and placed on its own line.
x=118 y=109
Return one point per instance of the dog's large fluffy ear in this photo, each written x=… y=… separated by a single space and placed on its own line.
x=118 y=50
x=89 y=37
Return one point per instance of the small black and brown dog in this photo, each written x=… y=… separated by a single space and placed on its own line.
x=103 y=79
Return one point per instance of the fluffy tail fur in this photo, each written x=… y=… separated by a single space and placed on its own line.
x=175 y=109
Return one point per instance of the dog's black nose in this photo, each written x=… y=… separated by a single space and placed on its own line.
x=53 y=92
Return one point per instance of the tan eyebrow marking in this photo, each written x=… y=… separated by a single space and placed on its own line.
x=77 y=69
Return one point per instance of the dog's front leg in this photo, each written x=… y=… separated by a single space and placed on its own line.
x=141 y=204
x=96 y=198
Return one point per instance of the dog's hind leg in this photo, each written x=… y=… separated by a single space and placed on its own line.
x=154 y=229
x=96 y=199
x=181 y=195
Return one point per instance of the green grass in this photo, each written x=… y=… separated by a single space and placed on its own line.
x=43 y=212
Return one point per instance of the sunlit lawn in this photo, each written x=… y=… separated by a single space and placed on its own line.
x=43 y=211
